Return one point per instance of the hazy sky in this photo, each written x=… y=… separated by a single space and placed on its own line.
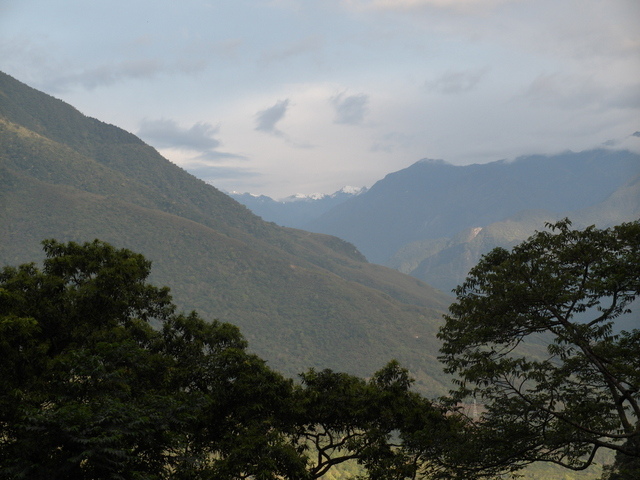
x=286 y=96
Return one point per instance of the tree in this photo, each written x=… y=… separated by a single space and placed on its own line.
x=390 y=431
x=580 y=394
x=88 y=389
x=101 y=378
x=625 y=467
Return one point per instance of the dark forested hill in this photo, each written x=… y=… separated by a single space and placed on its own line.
x=301 y=299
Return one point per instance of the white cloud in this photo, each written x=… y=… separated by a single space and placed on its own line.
x=166 y=133
x=571 y=91
x=105 y=75
x=212 y=173
x=108 y=74
x=391 y=142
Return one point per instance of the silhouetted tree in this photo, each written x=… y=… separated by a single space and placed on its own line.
x=569 y=287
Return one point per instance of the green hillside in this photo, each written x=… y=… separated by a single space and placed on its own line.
x=445 y=262
x=302 y=300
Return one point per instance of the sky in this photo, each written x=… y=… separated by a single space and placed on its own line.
x=278 y=97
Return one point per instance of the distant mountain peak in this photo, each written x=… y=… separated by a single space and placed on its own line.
x=432 y=161
x=347 y=190
x=236 y=194
x=351 y=190
x=304 y=196
x=299 y=209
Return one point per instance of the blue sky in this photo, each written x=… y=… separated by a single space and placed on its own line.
x=279 y=97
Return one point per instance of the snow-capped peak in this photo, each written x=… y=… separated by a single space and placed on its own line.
x=350 y=190
x=346 y=190
x=304 y=196
x=234 y=193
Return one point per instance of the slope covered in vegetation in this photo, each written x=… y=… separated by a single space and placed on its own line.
x=301 y=299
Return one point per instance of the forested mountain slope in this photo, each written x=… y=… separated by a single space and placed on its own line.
x=301 y=299
x=444 y=263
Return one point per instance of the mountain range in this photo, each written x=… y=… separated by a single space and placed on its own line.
x=434 y=220
x=298 y=210
x=432 y=199
x=301 y=299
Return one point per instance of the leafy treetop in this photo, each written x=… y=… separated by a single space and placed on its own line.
x=567 y=286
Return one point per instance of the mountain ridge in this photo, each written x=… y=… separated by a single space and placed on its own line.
x=295 y=210
x=302 y=299
x=434 y=199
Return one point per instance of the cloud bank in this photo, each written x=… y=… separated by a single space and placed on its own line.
x=294 y=82
x=458 y=5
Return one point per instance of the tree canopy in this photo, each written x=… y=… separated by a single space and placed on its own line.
x=568 y=288
x=392 y=432
x=88 y=389
x=101 y=378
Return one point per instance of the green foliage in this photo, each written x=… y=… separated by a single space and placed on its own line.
x=570 y=286
x=390 y=431
x=90 y=390
x=625 y=467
